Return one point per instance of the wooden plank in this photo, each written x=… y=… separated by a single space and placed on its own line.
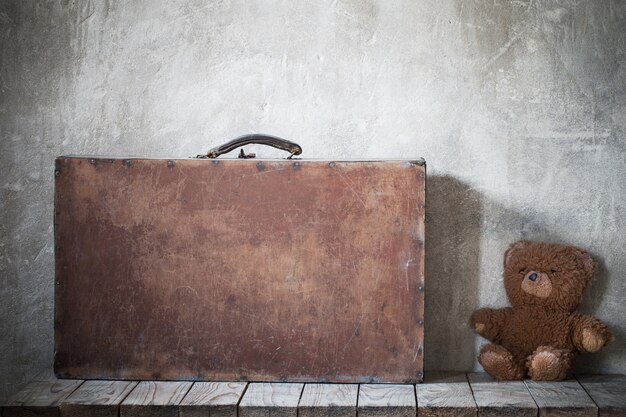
x=607 y=391
x=332 y=400
x=562 y=398
x=501 y=398
x=386 y=400
x=270 y=399
x=212 y=399
x=445 y=394
x=40 y=398
x=96 y=399
x=154 y=399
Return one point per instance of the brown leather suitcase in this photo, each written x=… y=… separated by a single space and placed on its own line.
x=239 y=269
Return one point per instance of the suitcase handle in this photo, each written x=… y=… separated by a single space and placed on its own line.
x=276 y=142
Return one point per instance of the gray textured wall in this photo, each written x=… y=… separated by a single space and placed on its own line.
x=519 y=108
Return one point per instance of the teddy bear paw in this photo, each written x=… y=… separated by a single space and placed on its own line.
x=548 y=364
x=481 y=321
x=499 y=363
x=593 y=341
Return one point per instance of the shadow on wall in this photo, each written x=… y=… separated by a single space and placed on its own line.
x=453 y=227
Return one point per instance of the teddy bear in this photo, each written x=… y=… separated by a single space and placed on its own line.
x=541 y=334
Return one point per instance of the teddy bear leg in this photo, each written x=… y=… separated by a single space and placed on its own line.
x=550 y=364
x=500 y=363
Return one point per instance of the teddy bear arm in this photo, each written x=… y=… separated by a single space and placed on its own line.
x=589 y=334
x=487 y=322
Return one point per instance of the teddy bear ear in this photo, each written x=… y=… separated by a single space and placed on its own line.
x=514 y=249
x=588 y=263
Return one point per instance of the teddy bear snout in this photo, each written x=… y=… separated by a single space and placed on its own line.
x=537 y=284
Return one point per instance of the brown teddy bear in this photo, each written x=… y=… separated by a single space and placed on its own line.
x=541 y=334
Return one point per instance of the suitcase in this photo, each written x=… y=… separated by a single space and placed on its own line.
x=239 y=269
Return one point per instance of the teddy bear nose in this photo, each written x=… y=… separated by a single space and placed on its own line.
x=532 y=277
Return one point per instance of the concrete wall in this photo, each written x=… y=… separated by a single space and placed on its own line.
x=519 y=108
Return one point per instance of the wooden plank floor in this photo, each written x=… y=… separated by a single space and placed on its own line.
x=565 y=398
x=501 y=398
x=607 y=391
x=333 y=400
x=154 y=399
x=386 y=400
x=441 y=394
x=96 y=399
x=215 y=399
x=445 y=394
x=271 y=399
